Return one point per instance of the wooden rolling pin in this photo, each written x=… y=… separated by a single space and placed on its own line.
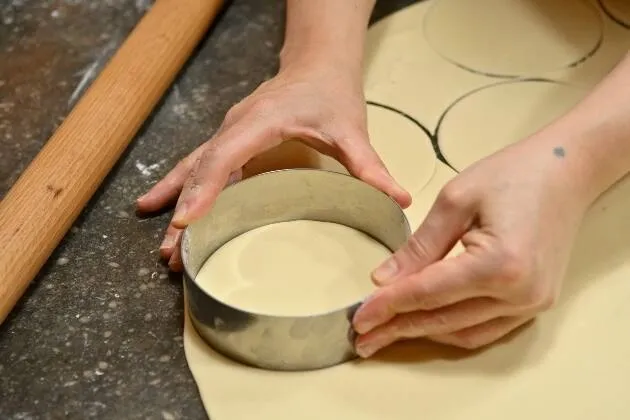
x=52 y=191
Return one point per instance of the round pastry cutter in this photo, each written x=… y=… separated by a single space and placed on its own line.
x=286 y=343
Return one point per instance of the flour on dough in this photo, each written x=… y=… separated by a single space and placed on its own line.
x=513 y=37
x=297 y=268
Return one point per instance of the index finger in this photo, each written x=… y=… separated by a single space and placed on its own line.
x=440 y=284
x=226 y=154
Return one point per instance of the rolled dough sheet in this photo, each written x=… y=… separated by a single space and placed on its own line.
x=403 y=71
x=571 y=364
x=474 y=127
x=615 y=44
x=515 y=37
x=263 y=270
x=619 y=10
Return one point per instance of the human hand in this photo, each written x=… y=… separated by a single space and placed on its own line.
x=323 y=108
x=516 y=213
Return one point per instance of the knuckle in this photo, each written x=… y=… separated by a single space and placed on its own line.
x=514 y=268
x=540 y=299
x=232 y=114
x=423 y=298
x=264 y=107
x=407 y=326
x=437 y=320
x=518 y=273
x=209 y=153
x=185 y=163
x=546 y=302
x=452 y=197
x=418 y=248
x=194 y=166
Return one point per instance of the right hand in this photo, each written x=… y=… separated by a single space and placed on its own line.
x=323 y=108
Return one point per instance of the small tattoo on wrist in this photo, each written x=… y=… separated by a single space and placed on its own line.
x=559 y=152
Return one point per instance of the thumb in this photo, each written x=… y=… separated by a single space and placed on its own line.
x=448 y=220
x=362 y=161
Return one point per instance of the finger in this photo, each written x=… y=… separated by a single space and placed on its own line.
x=169 y=249
x=362 y=161
x=174 y=254
x=226 y=153
x=168 y=188
x=171 y=238
x=483 y=334
x=447 y=221
x=175 y=262
x=441 y=284
x=441 y=321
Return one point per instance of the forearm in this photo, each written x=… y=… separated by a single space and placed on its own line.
x=595 y=136
x=326 y=32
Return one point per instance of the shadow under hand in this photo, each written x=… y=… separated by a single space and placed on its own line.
x=504 y=356
x=600 y=265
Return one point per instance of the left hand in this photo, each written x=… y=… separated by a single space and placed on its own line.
x=516 y=214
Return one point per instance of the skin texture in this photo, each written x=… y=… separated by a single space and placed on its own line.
x=517 y=229
x=316 y=97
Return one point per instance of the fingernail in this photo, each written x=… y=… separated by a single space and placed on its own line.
x=365 y=350
x=174 y=264
x=385 y=272
x=168 y=242
x=363 y=326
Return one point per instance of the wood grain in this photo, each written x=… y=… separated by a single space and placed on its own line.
x=51 y=193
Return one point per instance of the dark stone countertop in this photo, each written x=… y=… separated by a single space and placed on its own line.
x=99 y=333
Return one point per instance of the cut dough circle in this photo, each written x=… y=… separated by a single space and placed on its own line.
x=489 y=119
x=297 y=268
x=399 y=141
x=513 y=37
x=618 y=10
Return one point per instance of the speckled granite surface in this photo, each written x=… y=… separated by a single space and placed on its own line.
x=98 y=334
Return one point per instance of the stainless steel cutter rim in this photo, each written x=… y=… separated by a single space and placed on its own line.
x=285 y=342
x=317 y=314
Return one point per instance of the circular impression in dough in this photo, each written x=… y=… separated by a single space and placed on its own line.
x=618 y=10
x=491 y=118
x=294 y=268
x=402 y=144
x=510 y=38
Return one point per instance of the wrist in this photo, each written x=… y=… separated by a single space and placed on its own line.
x=596 y=132
x=321 y=60
x=325 y=35
x=579 y=162
x=324 y=69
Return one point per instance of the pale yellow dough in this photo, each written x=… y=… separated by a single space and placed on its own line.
x=474 y=127
x=513 y=37
x=263 y=270
x=619 y=10
x=573 y=363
